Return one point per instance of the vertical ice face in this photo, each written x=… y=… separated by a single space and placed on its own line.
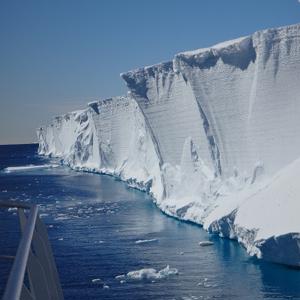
x=114 y=125
x=181 y=135
x=221 y=79
x=249 y=92
x=72 y=137
x=110 y=136
x=52 y=135
x=171 y=110
x=125 y=144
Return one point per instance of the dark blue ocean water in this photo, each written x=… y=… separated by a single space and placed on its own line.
x=93 y=222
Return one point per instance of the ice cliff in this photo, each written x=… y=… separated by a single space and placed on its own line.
x=213 y=135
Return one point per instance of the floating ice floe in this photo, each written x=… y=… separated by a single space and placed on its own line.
x=62 y=217
x=29 y=167
x=206 y=283
x=148 y=274
x=96 y=280
x=146 y=241
x=43 y=215
x=12 y=209
x=205 y=243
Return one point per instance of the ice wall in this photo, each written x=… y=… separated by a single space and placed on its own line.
x=109 y=136
x=186 y=148
x=214 y=135
x=249 y=91
x=71 y=137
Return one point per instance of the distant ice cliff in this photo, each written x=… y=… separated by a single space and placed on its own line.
x=213 y=135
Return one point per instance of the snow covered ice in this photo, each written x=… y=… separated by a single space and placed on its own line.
x=213 y=135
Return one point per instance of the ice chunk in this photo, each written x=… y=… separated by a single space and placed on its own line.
x=149 y=274
x=146 y=241
x=96 y=280
x=205 y=243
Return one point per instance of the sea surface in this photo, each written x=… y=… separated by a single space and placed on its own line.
x=99 y=229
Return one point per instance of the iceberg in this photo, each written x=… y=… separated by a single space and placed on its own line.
x=213 y=135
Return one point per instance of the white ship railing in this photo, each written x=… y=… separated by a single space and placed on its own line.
x=33 y=275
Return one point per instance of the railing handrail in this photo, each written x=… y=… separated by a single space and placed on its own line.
x=16 y=277
x=33 y=274
x=15 y=204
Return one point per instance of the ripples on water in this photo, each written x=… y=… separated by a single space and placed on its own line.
x=100 y=229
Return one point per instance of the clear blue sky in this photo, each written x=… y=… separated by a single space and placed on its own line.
x=57 y=55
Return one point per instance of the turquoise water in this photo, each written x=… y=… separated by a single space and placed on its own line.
x=94 y=222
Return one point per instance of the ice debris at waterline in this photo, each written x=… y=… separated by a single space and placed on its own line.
x=213 y=135
x=148 y=274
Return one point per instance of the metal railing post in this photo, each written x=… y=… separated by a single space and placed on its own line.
x=34 y=258
x=16 y=277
